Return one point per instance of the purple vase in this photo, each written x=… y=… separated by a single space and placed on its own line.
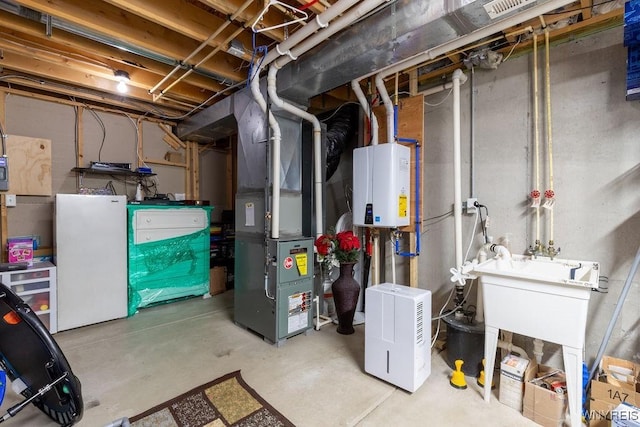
x=345 y=296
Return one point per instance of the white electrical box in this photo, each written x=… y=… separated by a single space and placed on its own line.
x=381 y=186
x=397 y=345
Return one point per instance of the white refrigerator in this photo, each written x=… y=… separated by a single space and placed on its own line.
x=91 y=258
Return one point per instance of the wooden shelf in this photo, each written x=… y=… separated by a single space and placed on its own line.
x=112 y=172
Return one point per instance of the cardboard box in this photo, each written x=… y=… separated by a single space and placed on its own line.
x=514 y=371
x=618 y=382
x=625 y=415
x=541 y=405
x=217 y=280
x=621 y=373
x=600 y=413
x=613 y=394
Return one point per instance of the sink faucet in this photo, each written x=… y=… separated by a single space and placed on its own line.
x=552 y=251
x=540 y=250
x=536 y=250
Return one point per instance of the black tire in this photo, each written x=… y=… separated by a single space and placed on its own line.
x=28 y=352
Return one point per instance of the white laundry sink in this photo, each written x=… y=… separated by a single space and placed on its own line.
x=541 y=298
x=543 y=269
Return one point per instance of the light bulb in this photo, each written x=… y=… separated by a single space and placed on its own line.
x=122 y=77
x=122 y=87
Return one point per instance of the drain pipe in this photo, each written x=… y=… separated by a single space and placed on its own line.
x=456 y=80
x=286 y=56
x=285 y=48
x=321 y=21
x=292 y=54
x=276 y=139
x=388 y=106
x=355 y=85
x=433 y=53
x=317 y=141
x=457 y=174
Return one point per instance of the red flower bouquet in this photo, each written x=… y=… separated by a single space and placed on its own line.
x=335 y=249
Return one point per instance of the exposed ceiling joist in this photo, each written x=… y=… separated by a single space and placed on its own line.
x=269 y=20
x=150 y=39
x=103 y=18
x=31 y=32
x=186 y=19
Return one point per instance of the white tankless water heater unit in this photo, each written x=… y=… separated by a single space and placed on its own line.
x=381 y=185
x=397 y=343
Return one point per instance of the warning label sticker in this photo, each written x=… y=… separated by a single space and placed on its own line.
x=298 y=315
x=402 y=206
x=301 y=262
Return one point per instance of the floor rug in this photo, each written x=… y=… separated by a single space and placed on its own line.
x=227 y=401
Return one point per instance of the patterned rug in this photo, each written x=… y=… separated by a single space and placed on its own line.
x=227 y=401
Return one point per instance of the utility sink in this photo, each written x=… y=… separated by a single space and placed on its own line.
x=543 y=269
x=540 y=298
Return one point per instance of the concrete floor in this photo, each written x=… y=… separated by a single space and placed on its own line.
x=127 y=366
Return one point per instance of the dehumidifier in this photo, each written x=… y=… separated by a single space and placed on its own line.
x=398 y=335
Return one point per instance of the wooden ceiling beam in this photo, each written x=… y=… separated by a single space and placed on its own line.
x=186 y=19
x=95 y=65
x=111 y=21
x=228 y=7
x=65 y=73
x=586 y=6
x=21 y=28
x=98 y=102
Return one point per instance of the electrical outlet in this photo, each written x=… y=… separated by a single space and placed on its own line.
x=469 y=205
x=10 y=200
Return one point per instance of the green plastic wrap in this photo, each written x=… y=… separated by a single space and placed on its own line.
x=163 y=270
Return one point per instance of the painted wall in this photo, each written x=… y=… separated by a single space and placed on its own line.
x=30 y=117
x=596 y=165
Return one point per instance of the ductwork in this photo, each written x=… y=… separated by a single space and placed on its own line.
x=396 y=33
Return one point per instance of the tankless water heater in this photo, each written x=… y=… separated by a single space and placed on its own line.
x=381 y=186
x=397 y=343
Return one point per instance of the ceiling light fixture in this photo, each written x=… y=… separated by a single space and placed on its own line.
x=236 y=48
x=123 y=78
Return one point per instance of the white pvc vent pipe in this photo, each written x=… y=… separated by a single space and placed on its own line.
x=457 y=172
x=317 y=142
x=292 y=48
x=388 y=107
x=432 y=53
x=355 y=85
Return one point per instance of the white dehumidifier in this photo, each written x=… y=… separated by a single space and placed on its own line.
x=397 y=345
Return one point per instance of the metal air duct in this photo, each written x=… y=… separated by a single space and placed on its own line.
x=400 y=31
